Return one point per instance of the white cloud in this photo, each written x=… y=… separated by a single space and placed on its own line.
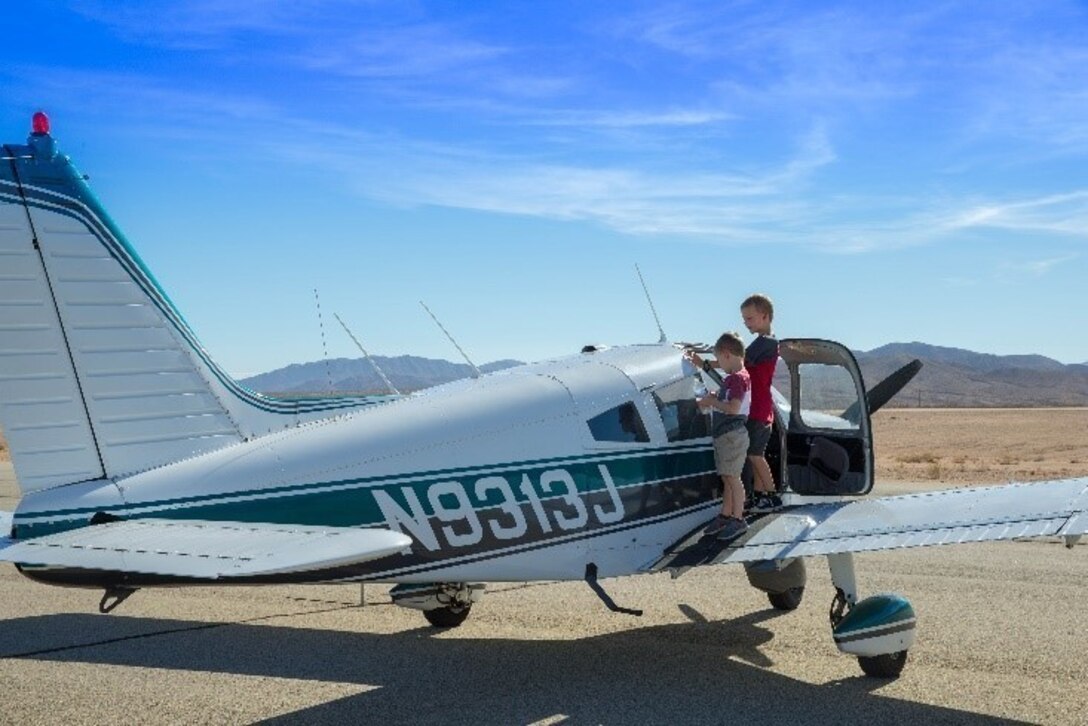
x=631 y=119
x=399 y=51
x=632 y=199
x=710 y=192
x=1063 y=214
x=1027 y=269
x=1038 y=268
x=960 y=281
x=202 y=24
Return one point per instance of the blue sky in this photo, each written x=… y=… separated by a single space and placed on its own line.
x=885 y=174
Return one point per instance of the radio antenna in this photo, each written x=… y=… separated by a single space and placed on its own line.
x=663 y=338
x=475 y=371
x=377 y=368
x=324 y=346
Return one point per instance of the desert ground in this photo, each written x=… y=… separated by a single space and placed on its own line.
x=980 y=445
x=1002 y=630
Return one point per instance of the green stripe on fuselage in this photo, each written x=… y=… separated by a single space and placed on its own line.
x=342 y=504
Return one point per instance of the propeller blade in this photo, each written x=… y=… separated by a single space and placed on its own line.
x=884 y=391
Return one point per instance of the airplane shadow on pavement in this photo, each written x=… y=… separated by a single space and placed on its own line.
x=696 y=672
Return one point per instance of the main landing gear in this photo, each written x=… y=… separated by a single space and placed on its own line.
x=449 y=616
x=879 y=630
x=782 y=580
x=788 y=600
x=445 y=604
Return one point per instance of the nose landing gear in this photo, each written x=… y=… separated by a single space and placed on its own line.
x=879 y=630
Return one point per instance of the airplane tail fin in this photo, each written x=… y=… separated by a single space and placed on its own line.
x=100 y=376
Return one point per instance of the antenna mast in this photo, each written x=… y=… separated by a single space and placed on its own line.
x=377 y=368
x=324 y=346
x=475 y=371
x=663 y=338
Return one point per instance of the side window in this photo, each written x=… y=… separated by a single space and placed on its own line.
x=621 y=423
x=682 y=418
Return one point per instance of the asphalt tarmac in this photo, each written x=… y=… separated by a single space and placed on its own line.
x=1003 y=633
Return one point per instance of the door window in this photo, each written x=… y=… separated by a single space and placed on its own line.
x=829 y=397
x=828 y=448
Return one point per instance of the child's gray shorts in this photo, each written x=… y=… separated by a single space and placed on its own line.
x=730 y=451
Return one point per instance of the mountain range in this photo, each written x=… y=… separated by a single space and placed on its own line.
x=356 y=375
x=957 y=378
x=950 y=377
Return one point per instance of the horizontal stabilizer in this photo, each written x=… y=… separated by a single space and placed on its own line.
x=976 y=514
x=206 y=550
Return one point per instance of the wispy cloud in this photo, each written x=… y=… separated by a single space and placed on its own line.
x=631 y=119
x=400 y=51
x=747 y=138
x=1040 y=267
x=202 y=24
x=1064 y=214
x=1004 y=71
x=775 y=203
x=777 y=50
x=628 y=198
x=960 y=281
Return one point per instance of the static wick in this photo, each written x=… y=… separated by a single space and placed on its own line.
x=475 y=371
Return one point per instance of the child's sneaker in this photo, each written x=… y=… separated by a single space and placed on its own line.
x=732 y=529
x=766 y=502
x=716 y=525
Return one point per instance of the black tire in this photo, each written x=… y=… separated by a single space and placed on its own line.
x=883 y=666
x=788 y=600
x=447 y=617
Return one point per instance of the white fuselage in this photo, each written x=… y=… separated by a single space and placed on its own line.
x=496 y=478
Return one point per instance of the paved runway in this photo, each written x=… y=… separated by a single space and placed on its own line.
x=1003 y=633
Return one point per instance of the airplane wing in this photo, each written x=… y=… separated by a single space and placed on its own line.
x=1058 y=508
x=211 y=550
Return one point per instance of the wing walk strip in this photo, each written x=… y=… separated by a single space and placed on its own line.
x=918 y=520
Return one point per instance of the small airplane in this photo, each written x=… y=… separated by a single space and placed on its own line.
x=143 y=464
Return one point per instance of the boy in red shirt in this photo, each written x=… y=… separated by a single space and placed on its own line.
x=730 y=405
x=760 y=359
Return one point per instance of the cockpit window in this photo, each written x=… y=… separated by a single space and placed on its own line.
x=681 y=416
x=621 y=423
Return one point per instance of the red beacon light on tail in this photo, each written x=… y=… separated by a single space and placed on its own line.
x=43 y=145
x=40 y=123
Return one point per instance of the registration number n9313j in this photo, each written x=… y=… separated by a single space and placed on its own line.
x=551 y=503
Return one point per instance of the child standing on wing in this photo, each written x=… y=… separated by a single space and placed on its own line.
x=760 y=359
x=730 y=405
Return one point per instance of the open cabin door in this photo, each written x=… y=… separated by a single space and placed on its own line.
x=828 y=435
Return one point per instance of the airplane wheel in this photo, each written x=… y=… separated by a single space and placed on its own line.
x=788 y=600
x=447 y=617
x=883 y=666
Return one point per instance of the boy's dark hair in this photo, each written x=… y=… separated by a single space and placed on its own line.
x=761 y=303
x=730 y=342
